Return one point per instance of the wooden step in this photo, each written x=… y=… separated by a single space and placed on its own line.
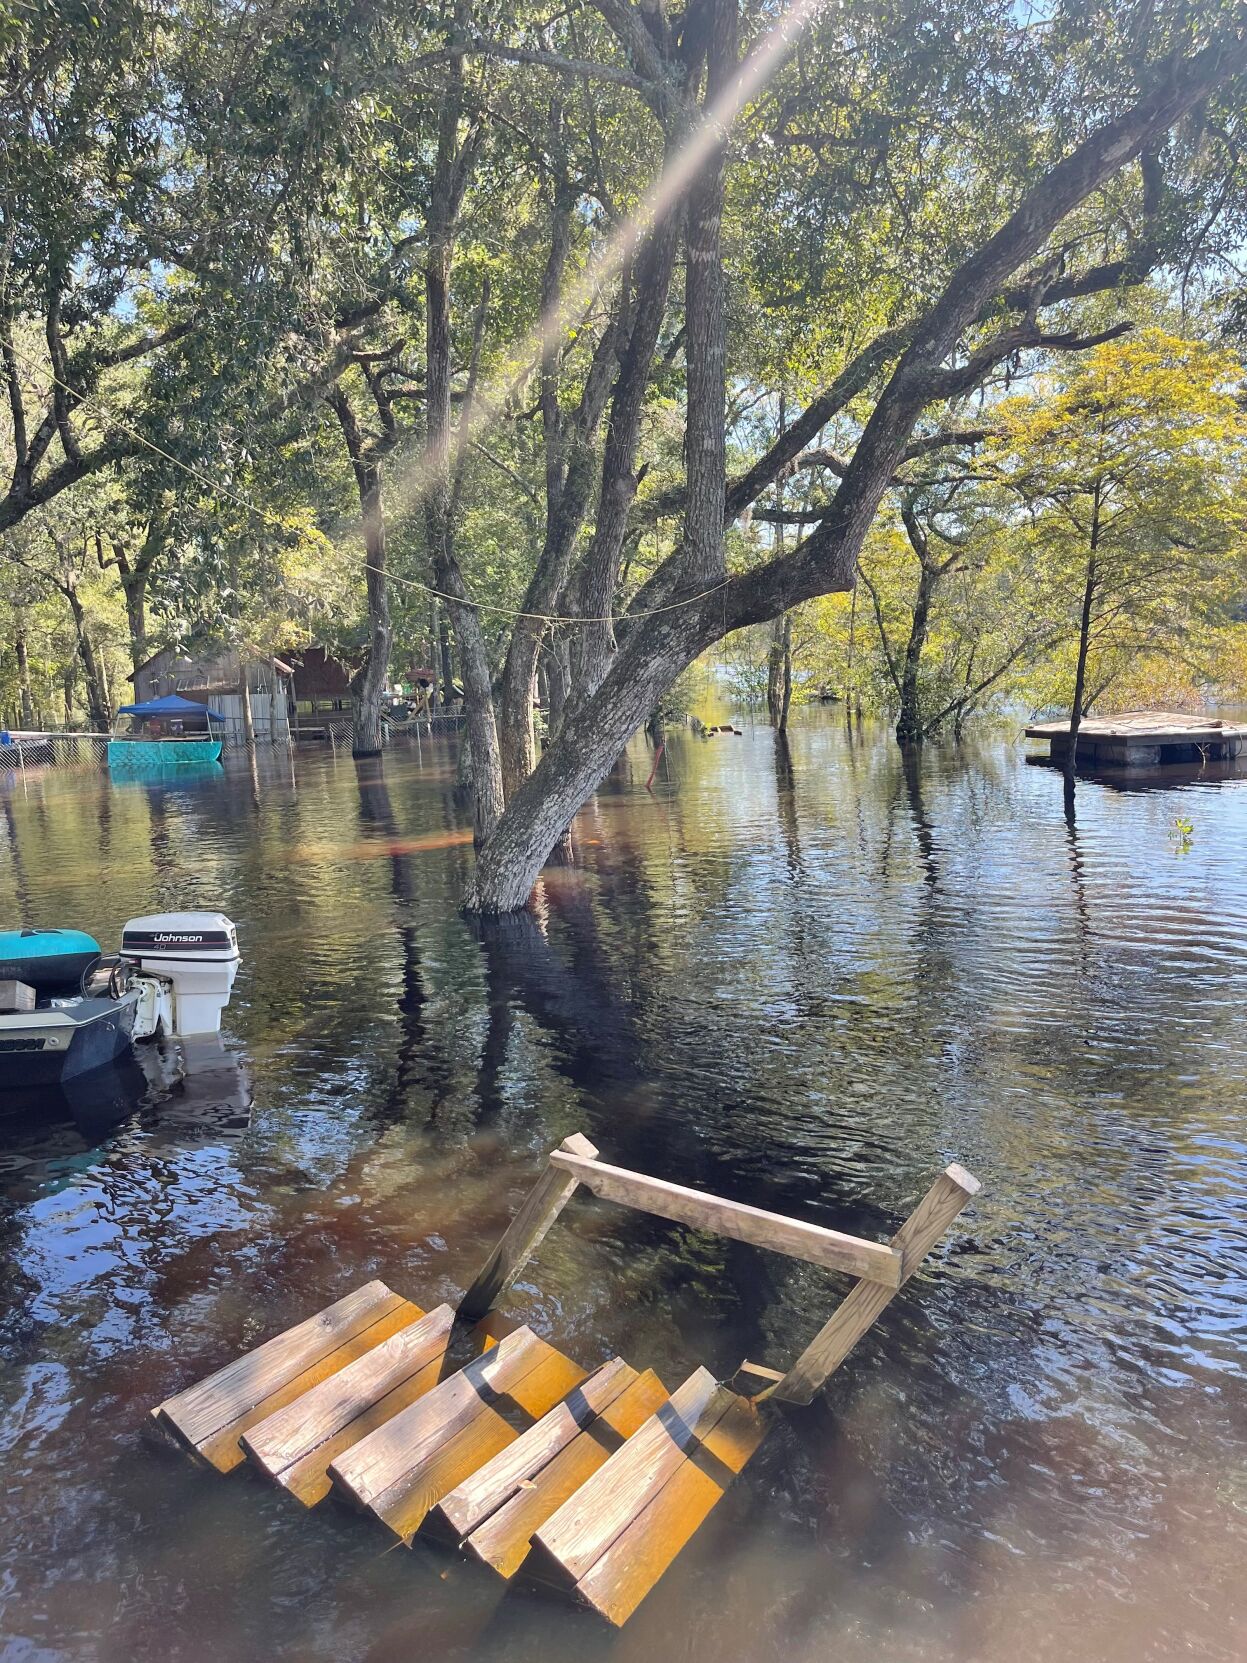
x=295 y=1446
x=209 y=1418
x=500 y=1507
x=407 y=1466
x=611 y=1541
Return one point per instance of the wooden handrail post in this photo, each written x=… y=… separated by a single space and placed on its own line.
x=546 y=1200
x=863 y=1305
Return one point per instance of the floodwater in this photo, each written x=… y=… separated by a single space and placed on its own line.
x=805 y=980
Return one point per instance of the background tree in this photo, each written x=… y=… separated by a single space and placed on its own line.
x=1130 y=466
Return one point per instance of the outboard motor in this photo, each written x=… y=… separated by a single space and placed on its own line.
x=196 y=953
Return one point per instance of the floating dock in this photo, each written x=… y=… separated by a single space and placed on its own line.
x=464 y=1427
x=1144 y=739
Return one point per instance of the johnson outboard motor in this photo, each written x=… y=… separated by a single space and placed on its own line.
x=196 y=954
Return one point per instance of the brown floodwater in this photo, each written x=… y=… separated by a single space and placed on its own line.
x=805 y=980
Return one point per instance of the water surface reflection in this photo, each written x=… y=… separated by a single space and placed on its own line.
x=803 y=974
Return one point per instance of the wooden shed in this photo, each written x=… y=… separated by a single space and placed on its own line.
x=226 y=678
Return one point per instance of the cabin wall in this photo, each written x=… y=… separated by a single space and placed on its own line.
x=268 y=716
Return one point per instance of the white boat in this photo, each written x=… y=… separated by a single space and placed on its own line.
x=66 y=1010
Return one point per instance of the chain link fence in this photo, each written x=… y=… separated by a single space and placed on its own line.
x=43 y=750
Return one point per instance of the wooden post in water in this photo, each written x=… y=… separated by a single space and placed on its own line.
x=863 y=1306
x=546 y=1200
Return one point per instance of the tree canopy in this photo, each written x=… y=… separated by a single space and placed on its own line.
x=550 y=346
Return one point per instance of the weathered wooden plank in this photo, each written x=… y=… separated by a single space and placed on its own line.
x=224 y=1451
x=406 y=1505
x=308 y=1480
x=295 y=1445
x=864 y=1304
x=626 y=1571
x=486 y=1490
x=575 y=1537
x=543 y=1204
x=502 y=1540
x=1144 y=725
x=751 y=1379
x=384 y=1456
x=208 y=1417
x=406 y=1466
x=831 y=1248
x=200 y=1409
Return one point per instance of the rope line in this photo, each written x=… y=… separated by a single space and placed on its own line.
x=266 y=515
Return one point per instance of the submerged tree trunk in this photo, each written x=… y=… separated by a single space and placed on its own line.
x=368 y=682
x=1084 y=638
x=909 y=724
x=248 y=716
x=779 y=673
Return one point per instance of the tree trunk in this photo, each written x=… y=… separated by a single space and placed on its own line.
x=248 y=718
x=368 y=682
x=487 y=788
x=1080 y=673
x=594 y=640
x=98 y=714
x=23 y=674
x=785 y=704
x=705 y=346
x=591 y=740
x=909 y=726
x=1084 y=637
x=779 y=673
x=134 y=589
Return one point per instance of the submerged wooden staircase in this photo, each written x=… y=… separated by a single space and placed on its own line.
x=466 y=1427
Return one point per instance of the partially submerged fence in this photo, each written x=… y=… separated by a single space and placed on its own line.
x=41 y=750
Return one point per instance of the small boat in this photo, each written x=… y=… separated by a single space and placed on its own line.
x=67 y=1010
x=171 y=732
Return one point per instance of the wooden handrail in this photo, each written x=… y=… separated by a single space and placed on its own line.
x=873 y=1261
x=863 y=1305
x=881 y=1268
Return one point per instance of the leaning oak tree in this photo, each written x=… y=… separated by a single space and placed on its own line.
x=997 y=303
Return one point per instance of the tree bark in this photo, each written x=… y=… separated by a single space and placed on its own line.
x=487 y=789
x=705 y=346
x=1090 y=585
x=23 y=674
x=909 y=724
x=98 y=714
x=248 y=717
x=594 y=640
x=134 y=591
x=368 y=682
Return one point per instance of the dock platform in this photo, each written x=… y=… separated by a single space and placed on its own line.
x=1144 y=739
x=464 y=1427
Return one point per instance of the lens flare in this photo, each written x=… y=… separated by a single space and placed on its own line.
x=408 y=489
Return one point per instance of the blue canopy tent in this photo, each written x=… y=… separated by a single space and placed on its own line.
x=141 y=751
x=173 y=704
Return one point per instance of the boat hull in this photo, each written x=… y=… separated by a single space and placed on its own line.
x=57 y=1047
x=148 y=756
